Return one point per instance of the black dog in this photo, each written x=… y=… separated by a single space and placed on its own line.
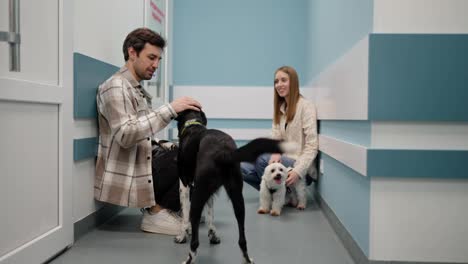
x=209 y=159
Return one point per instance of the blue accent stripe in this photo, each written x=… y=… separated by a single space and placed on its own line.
x=84 y=148
x=348 y=194
x=88 y=74
x=418 y=77
x=356 y=132
x=241 y=143
x=218 y=123
x=240 y=123
x=440 y=164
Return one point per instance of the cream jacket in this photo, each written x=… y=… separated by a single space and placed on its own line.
x=303 y=131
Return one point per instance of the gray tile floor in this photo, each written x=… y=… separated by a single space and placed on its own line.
x=294 y=237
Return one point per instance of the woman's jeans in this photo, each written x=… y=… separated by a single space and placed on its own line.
x=253 y=172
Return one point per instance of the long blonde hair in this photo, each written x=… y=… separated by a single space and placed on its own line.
x=293 y=97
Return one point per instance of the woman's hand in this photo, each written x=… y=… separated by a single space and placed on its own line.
x=276 y=157
x=293 y=177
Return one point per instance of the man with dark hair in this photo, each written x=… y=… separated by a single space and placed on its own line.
x=124 y=174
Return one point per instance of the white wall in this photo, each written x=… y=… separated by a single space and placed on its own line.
x=242 y=102
x=83 y=174
x=100 y=28
x=421 y=135
x=340 y=92
x=420 y=16
x=352 y=155
x=419 y=220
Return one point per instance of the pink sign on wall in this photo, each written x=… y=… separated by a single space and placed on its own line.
x=156 y=17
x=156 y=12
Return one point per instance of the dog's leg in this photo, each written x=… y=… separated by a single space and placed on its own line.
x=184 y=193
x=301 y=195
x=191 y=258
x=234 y=192
x=278 y=201
x=212 y=234
x=292 y=197
x=199 y=198
x=265 y=199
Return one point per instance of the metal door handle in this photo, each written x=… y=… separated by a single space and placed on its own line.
x=13 y=37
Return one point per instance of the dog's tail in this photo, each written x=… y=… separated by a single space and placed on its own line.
x=257 y=147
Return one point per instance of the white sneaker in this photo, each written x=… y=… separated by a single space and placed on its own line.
x=163 y=222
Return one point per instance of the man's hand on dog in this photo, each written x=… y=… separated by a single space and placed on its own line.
x=185 y=103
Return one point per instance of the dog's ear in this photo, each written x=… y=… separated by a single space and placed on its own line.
x=203 y=116
x=180 y=116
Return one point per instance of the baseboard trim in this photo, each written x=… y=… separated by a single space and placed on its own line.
x=95 y=219
x=409 y=262
x=350 y=244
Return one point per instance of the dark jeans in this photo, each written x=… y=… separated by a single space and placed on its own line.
x=166 y=178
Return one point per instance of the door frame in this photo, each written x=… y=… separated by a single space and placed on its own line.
x=166 y=63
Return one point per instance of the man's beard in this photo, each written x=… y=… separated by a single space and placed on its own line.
x=144 y=76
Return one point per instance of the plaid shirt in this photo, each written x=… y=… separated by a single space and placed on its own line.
x=126 y=126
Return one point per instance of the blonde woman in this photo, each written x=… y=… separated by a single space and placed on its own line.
x=294 y=120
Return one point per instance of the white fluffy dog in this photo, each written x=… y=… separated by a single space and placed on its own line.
x=274 y=193
x=296 y=195
x=273 y=189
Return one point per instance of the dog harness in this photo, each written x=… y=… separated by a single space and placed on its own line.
x=272 y=191
x=191 y=122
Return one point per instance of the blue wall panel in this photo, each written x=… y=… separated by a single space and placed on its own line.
x=440 y=164
x=84 y=148
x=418 y=77
x=335 y=26
x=240 y=123
x=88 y=74
x=347 y=193
x=239 y=43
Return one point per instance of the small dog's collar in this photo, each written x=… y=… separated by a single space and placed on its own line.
x=272 y=191
x=190 y=122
